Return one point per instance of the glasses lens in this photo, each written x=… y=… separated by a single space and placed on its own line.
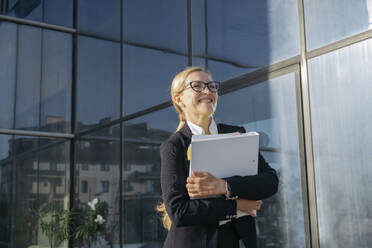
x=213 y=86
x=197 y=85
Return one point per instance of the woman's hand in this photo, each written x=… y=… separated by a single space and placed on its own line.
x=248 y=206
x=204 y=184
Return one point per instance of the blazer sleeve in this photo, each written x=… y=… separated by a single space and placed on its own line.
x=181 y=209
x=257 y=187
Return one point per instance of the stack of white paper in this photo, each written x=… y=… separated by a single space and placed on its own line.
x=225 y=155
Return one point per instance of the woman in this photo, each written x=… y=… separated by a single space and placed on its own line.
x=206 y=222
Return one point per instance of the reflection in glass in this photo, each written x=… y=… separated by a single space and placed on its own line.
x=100 y=17
x=41 y=177
x=340 y=92
x=152 y=20
x=141 y=187
x=28 y=78
x=8 y=34
x=50 y=11
x=148 y=74
x=43 y=87
x=97 y=175
x=56 y=82
x=332 y=20
x=5 y=189
x=269 y=108
x=245 y=35
x=98 y=82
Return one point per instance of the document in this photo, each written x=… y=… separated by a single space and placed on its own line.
x=225 y=155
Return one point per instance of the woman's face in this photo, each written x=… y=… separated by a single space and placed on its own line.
x=198 y=104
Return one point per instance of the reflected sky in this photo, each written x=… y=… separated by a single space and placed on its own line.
x=50 y=11
x=244 y=35
x=332 y=20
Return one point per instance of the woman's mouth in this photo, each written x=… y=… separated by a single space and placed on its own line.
x=206 y=100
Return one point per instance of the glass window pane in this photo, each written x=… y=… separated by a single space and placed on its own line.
x=162 y=24
x=5 y=189
x=332 y=20
x=8 y=34
x=148 y=74
x=50 y=11
x=269 y=108
x=98 y=82
x=41 y=183
x=141 y=186
x=244 y=35
x=340 y=97
x=28 y=78
x=100 y=17
x=56 y=82
x=92 y=151
x=43 y=87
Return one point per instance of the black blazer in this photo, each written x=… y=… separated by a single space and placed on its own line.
x=195 y=222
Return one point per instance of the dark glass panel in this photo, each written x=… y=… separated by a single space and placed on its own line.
x=8 y=46
x=270 y=108
x=98 y=82
x=141 y=187
x=41 y=178
x=5 y=189
x=148 y=74
x=43 y=87
x=59 y=12
x=94 y=151
x=56 y=82
x=100 y=17
x=50 y=11
x=28 y=78
x=159 y=24
x=245 y=35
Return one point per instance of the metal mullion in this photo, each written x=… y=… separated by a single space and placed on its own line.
x=189 y=32
x=258 y=75
x=13 y=180
x=121 y=162
x=301 y=147
x=36 y=24
x=308 y=143
x=72 y=175
x=206 y=47
x=339 y=44
x=36 y=133
x=228 y=86
x=126 y=118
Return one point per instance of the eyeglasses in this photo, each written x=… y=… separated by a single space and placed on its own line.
x=199 y=86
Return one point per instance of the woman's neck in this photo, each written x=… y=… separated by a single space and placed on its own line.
x=201 y=121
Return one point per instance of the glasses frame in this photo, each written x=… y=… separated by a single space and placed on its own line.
x=205 y=85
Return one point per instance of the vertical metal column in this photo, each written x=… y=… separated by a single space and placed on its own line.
x=314 y=230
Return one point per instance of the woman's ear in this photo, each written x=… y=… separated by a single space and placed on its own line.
x=178 y=100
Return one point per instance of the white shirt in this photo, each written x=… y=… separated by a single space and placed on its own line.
x=197 y=130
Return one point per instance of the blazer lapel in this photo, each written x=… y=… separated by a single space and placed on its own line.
x=187 y=134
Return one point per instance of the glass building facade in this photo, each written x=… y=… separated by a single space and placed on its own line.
x=85 y=105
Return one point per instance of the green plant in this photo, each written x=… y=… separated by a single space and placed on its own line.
x=83 y=223
x=91 y=220
x=55 y=224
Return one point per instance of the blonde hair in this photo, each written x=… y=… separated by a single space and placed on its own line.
x=177 y=86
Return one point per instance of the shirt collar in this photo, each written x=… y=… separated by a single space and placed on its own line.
x=197 y=130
